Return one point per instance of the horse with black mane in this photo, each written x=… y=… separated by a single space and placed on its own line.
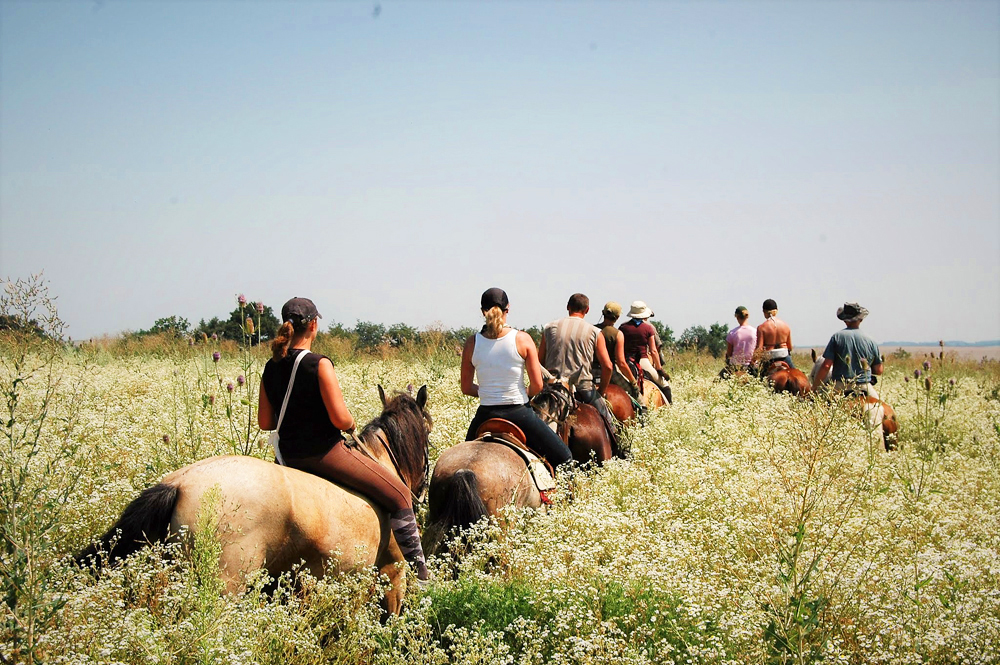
x=273 y=517
x=477 y=478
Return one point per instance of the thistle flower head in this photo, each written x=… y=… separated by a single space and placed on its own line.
x=260 y=307
x=230 y=387
x=241 y=299
x=216 y=356
x=166 y=438
x=916 y=374
x=906 y=379
x=240 y=380
x=211 y=399
x=951 y=382
x=215 y=336
x=927 y=364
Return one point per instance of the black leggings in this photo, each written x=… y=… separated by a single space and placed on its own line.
x=541 y=439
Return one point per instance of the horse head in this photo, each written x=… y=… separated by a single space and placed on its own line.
x=554 y=403
x=406 y=424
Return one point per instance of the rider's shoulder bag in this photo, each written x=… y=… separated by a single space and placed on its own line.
x=273 y=438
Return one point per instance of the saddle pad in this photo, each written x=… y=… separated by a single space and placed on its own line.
x=541 y=475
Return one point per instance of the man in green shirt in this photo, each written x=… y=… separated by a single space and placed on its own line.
x=852 y=355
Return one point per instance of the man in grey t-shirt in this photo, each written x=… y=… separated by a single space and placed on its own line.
x=568 y=350
x=852 y=355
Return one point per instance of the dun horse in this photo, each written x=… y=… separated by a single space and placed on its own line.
x=273 y=516
x=477 y=478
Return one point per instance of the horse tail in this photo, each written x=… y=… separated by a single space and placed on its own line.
x=146 y=519
x=458 y=508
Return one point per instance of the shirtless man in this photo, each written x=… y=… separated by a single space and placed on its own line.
x=774 y=338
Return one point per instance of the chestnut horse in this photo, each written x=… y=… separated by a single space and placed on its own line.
x=620 y=403
x=273 y=517
x=787 y=379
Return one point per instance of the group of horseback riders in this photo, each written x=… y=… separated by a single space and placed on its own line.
x=312 y=420
x=851 y=359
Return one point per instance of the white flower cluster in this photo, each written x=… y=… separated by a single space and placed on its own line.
x=745 y=527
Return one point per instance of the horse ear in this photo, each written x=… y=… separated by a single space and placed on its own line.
x=422 y=396
x=381 y=394
x=813 y=351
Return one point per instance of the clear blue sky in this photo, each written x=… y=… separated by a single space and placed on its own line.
x=157 y=158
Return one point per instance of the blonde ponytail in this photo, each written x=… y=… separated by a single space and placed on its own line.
x=494 y=322
x=279 y=347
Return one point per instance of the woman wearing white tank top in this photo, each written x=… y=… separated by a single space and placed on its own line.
x=499 y=356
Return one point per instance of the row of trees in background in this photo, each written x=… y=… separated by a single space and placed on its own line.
x=369 y=336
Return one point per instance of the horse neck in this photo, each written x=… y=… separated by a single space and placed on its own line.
x=395 y=454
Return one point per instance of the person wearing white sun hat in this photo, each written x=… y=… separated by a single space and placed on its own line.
x=640 y=345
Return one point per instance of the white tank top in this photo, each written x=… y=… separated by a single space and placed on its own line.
x=499 y=370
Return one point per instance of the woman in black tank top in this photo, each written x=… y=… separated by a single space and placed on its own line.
x=310 y=437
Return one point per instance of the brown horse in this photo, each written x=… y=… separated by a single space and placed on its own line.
x=273 y=517
x=876 y=411
x=787 y=379
x=579 y=425
x=620 y=403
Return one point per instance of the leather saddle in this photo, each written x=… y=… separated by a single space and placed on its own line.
x=504 y=432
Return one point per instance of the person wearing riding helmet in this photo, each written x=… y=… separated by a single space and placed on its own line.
x=498 y=357
x=311 y=432
x=640 y=345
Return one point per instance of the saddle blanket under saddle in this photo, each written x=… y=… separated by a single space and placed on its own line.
x=540 y=475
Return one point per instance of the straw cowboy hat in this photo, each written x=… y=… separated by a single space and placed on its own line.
x=639 y=310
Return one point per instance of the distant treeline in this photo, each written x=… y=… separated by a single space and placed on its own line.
x=255 y=323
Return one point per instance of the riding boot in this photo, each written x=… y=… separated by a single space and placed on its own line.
x=404 y=527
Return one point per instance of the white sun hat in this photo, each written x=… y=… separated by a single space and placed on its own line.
x=639 y=310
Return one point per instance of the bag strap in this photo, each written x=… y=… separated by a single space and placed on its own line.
x=284 y=404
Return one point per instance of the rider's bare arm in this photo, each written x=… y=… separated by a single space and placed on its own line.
x=265 y=414
x=654 y=356
x=821 y=374
x=333 y=398
x=601 y=351
x=620 y=358
x=468 y=371
x=729 y=350
x=877 y=369
x=526 y=348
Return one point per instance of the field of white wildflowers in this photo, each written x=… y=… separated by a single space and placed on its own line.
x=746 y=527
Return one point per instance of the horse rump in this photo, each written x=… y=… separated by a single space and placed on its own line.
x=145 y=520
x=453 y=506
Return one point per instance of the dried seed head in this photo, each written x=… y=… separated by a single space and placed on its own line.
x=166 y=438
x=249 y=326
x=927 y=383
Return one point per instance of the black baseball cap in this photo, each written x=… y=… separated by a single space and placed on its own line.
x=495 y=297
x=299 y=311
